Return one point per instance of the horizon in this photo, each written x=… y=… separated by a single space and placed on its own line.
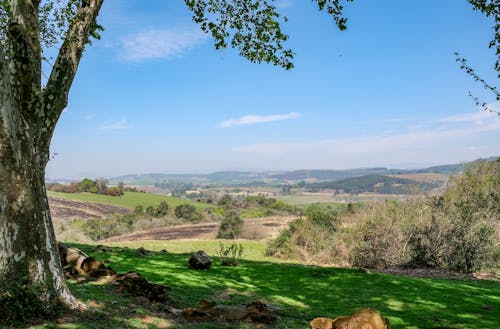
x=82 y=176
x=155 y=96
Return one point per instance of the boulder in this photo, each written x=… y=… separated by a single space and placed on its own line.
x=103 y=248
x=200 y=260
x=141 y=252
x=258 y=312
x=76 y=263
x=194 y=314
x=136 y=285
x=321 y=323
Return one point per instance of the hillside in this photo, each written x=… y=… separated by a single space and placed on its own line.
x=272 y=178
x=373 y=183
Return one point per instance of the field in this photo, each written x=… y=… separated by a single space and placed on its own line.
x=299 y=292
x=129 y=199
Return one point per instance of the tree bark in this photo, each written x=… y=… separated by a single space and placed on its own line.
x=28 y=248
x=29 y=253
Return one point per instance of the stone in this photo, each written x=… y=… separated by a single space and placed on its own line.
x=141 y=252
x=136 y=285
x=195 y=314
x=103 y=248
x=321 y=323
x=258 y=312
x=200 y=260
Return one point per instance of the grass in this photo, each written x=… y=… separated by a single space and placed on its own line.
x=300 y=292
x=129 y=199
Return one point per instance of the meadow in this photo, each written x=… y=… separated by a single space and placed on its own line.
x=299 y=292
x=129 y=199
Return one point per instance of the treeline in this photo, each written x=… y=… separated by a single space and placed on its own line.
x=373 y=183
x=98 y=186
x=457 y=230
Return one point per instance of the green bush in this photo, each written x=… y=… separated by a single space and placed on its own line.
x=230 y=227
x=230 y=255
x=455 y=231
x=188 y=212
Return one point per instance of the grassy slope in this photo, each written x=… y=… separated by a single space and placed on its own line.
x=301 y=292
x=129 y=199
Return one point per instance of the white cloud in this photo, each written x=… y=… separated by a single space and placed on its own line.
x=159 y=44
x=89 y=116
x=254 y=119
x=117 y=125
x=372 y=145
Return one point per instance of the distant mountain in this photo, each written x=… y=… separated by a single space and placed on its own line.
x=250 y=178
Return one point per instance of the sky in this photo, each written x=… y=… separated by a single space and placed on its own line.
x=153 y=95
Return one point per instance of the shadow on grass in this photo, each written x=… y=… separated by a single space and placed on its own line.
x=305 y=292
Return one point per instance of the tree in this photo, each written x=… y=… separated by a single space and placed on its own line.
x=29 y=110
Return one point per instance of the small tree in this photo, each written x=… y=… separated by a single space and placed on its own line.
x=230 y=227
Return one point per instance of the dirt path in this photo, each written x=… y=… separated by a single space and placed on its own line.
x=65 y=209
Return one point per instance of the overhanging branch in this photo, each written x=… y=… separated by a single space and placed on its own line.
x=55 y=94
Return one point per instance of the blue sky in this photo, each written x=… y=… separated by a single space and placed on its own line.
x=155 y=96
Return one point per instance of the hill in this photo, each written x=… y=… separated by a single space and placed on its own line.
x=373 y=183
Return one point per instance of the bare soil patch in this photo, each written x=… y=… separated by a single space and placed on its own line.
x=65 y=209
x=254 y=228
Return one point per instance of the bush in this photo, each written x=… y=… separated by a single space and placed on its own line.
x=310 y=239
x=455 y=231
x=230 y=256
x=230 y=227
x=187 y=211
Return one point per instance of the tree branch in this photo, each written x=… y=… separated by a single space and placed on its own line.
x=25 y=52
x=55 y=94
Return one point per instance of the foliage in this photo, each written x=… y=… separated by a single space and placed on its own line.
x=189 y=212
x=98 y=186
x=20 y=301
x=308 y=239
x=230 y=255
x=230 y=227
x=455 y=231
x=374 y=183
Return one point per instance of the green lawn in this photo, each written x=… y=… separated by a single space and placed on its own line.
x=301 y=293
x=129 y=199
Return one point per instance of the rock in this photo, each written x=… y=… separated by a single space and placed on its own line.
x=258 y=312
x=103 y=248
x=93 y=268
x=321 y=323
x=141 y=252
x=200 y=260
x=195 y=314
x=136 y=285
x=75 y=263
x=363 y=318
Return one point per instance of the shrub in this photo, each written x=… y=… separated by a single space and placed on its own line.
x=309 y=239
x=230 y=255
x=230 y=227
x=187 y=211
x=114 y=191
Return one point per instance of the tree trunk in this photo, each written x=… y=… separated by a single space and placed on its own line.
x=28 y=249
